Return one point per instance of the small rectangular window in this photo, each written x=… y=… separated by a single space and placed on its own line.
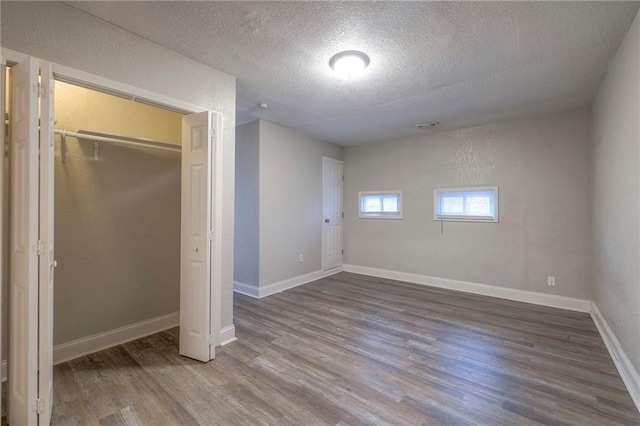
x=466 y=204
x=380 y=205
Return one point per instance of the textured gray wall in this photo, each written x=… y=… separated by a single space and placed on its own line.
x=64 y=35
x=542 y=168
x=247 y=205
x=290 y=201
x=616 y=162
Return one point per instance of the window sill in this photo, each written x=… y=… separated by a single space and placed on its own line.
x=465 y=219
x=379 y=217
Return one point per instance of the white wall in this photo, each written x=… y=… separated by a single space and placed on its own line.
x=290 y=201
x=616 y=201
x=247 y=233
x=278 y=203
x=64 y=35
x=542 y=168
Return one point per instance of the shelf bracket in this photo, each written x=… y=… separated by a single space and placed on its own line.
x=63 y=147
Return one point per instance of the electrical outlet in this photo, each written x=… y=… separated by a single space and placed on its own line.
x=551 y=281
x=301 y=258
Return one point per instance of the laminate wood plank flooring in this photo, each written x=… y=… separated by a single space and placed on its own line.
x=351 y=349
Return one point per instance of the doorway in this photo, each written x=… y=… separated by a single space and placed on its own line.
x=31 y=244
x=116 y=216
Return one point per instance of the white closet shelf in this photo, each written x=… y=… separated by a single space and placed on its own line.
x=117 y=139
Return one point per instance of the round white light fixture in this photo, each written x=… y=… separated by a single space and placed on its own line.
x=349 y=63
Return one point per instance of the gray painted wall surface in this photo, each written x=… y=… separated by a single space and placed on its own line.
x=64 y=35
x=117 y=225
x=290 y=201
x=616 y=201
x=542 y=168
x=247 y=205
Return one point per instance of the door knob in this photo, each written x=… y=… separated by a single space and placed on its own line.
x=195 y=249
x=55 y=263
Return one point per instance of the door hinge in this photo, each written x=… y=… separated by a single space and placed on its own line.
x=39 y=406
x=41 y=90
x=39 y=247
x=211 y=340
x=343 y=215
x=343 y=251
x=212 y=235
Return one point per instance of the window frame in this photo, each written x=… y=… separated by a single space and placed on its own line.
x=452 y=218
x=396 y=216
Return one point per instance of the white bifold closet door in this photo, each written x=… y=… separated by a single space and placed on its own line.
x=198 y=151
x=46 y=260
x=31 y=246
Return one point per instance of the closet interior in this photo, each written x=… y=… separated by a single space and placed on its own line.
x=117 y=212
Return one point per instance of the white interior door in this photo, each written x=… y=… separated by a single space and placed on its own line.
x=196 y=339
x=46 y=262
x=332 y=173
x=23 y=287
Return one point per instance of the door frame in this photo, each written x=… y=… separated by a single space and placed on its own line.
x=94 y=82
x=4 y=283
x=323 y=265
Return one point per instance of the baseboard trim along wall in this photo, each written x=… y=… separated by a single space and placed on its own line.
x=280 y=286
x=228 y=335
x=517 y=295
x=246 y=289
x=629 y=375
x=97 y=342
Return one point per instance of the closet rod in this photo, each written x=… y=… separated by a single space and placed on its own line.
x=118 y=141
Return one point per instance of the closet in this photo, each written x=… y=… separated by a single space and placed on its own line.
x=117 y=213
x=112 y=201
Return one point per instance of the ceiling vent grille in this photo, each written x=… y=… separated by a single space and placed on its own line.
x=427 y=125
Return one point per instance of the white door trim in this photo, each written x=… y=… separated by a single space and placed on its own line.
x=85 y=79
x=3 y=283
x=11 y=56
x=216 y=252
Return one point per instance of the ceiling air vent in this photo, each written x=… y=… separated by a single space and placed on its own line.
x=427 y=125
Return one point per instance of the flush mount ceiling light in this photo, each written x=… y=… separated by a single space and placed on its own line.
x=349 y=63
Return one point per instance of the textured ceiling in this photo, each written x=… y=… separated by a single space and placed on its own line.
x=460 y=64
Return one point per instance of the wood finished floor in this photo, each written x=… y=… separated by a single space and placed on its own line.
x=351 y=349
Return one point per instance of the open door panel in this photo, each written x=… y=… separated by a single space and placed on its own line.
x=30 y=362
x=196 y=236
x=46 y=262
x=23 y=247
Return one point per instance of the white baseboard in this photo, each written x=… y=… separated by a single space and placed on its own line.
x=543 y=299
x=97 y=342
x=629 y=375
x=228 y=335
x=4 y=370
x=280 y=286
x=246 y=289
